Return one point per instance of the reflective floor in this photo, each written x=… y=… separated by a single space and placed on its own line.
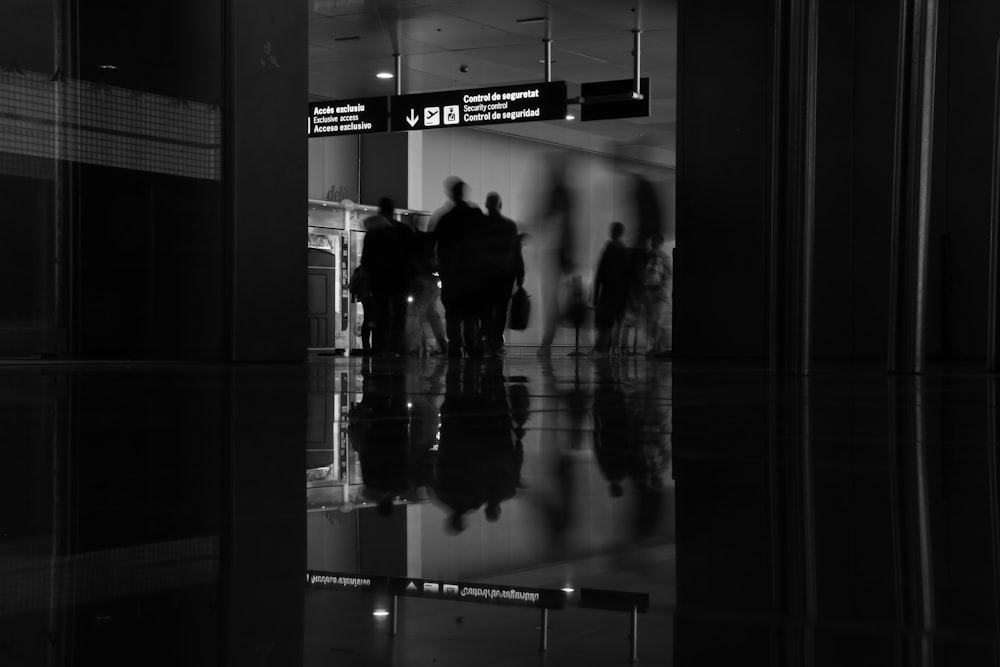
x=154 y=514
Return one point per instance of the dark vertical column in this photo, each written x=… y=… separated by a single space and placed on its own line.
x=911 y=184
x=266 y=176
x=723 y=113
x=263 y=544
x=992 y=304
x=792 y=515
x=912 y=515
x=792 y=196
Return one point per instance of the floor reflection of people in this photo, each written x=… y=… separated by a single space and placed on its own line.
x=558 y=503
x=614 y=445
x=478 y=461
x=650 y=425
x=394 y=434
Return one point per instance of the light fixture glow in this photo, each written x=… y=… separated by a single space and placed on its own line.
x=567 y=589
x=570 y=116
x=380 y=613
x=384 y=75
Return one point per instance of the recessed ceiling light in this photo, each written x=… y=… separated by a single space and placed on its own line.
x=380 y=613
x=570 y=116
x=567 y=589
x=385 y=75
x=108 y=66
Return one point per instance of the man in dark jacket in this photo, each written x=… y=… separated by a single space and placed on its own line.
x=501 y=251
x=386 y=258
x=460 y=271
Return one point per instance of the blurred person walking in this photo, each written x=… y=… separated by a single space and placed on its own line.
x=657 y=284
x=426 y=294
x=557 y=218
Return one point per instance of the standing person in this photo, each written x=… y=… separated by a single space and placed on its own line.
x=455 y=235
x=611 y=287
x=386 y=259
x=426 y=292
x=657 y=284
x=502 y=266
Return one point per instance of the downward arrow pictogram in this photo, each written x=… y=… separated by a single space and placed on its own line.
x=412 y=118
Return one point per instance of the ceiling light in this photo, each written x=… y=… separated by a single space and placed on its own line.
x=108 y=66
x=384 y=75
x=567 y=589
x=381 y=613
x=570 y=116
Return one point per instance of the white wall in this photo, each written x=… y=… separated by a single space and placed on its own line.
x=515 y=168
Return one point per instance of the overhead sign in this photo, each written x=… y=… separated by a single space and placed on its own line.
x=479 y=106
x=339 y=117
x=602 y=100
x=456 y=591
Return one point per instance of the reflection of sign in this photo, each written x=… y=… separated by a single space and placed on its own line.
x=613 y=99
x=518 y=596
x=359 y=116
x=480 y=106
x=342 y=581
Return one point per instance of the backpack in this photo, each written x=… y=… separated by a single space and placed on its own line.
x=654 y=272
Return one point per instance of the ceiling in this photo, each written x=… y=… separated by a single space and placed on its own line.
x=592 y=40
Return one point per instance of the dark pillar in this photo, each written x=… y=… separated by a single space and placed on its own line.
x=263 y=528
x=911 y=184
x=266 y=177
x=792 y=195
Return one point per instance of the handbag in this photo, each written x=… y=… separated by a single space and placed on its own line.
x=520 y=310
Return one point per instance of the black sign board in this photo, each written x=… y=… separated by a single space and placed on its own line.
x=518 y=596
x=340 y=117
x=343 y=581
x=613 y=99
x=479 y=106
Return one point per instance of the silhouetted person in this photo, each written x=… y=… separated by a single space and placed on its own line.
x=502 y=267
x=455 y=235
x=611 y=289
x=386 y=258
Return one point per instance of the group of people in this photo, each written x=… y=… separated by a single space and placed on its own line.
x=469 y=259
x=472 y=262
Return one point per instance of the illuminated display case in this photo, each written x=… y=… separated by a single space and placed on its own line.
x=335 y=240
